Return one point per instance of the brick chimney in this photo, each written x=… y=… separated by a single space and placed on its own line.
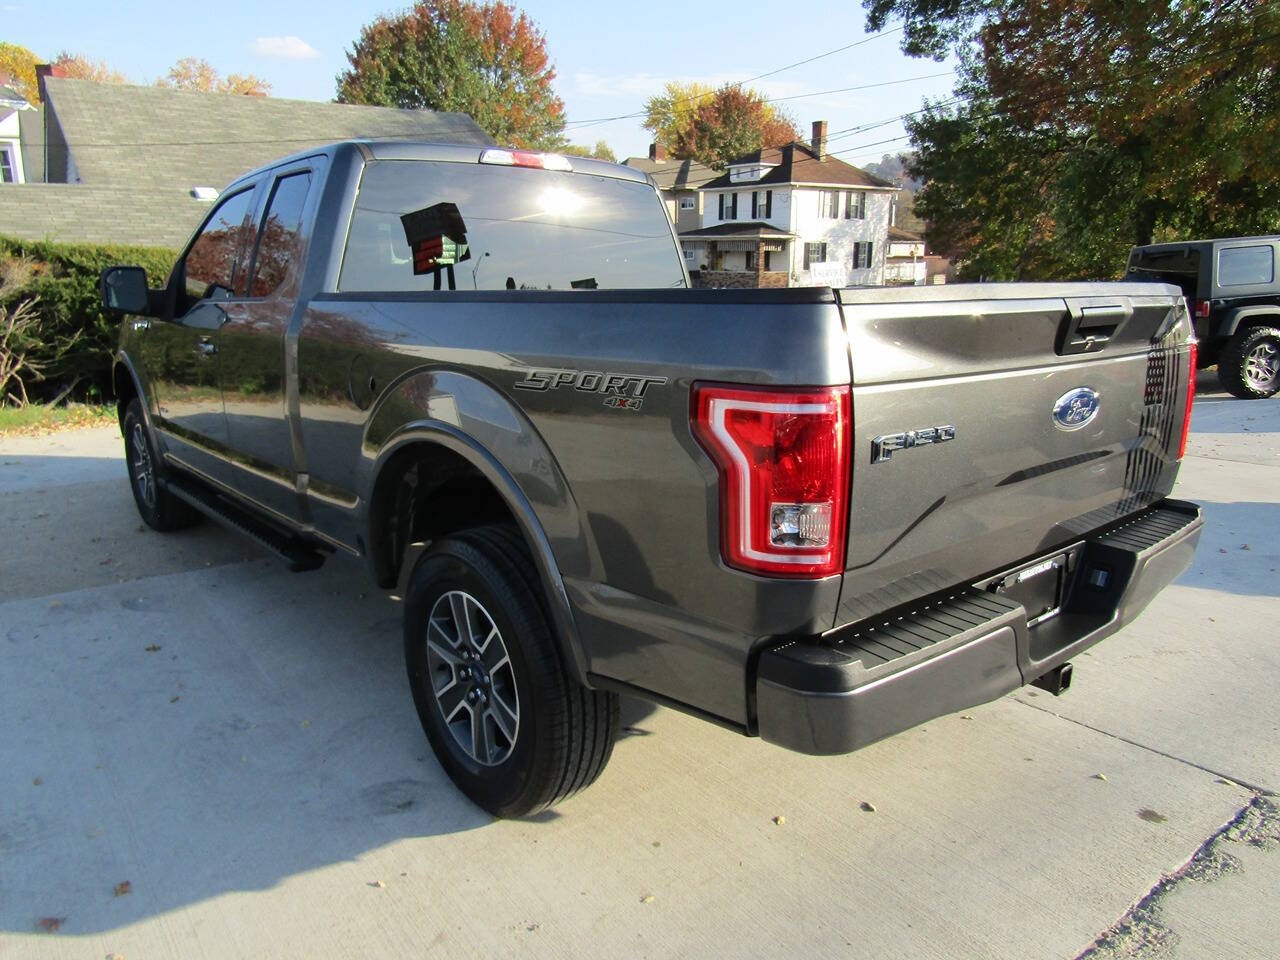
x=820 y=138
x=658 y=152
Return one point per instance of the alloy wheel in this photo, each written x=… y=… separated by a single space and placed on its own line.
x=472 y=678
x=144 y=475
x=1262 y=365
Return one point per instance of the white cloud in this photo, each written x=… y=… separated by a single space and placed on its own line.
x=284 y=48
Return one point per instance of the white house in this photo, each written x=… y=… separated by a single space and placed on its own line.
x=791 y=216
x=12 y=106
x=905 y=263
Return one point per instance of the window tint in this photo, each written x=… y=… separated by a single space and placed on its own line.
x=1245 y=265
x=281 y=235
x=212 y=258
x=524 y=230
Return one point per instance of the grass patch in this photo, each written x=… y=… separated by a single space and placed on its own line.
x=37 y=418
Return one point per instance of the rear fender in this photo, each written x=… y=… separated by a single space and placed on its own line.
x=1262 y=313
x=477 y=422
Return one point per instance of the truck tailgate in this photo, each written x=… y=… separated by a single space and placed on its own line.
x=989 y=475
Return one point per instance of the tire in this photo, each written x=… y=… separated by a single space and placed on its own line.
x=159 y=509
x=541 y=736
x=1249 y=366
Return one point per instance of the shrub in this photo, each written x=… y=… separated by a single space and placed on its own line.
x=73 y=339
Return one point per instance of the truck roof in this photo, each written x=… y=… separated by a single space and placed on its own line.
x=397 y=149
x=1202 y=244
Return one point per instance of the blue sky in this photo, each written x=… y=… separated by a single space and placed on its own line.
x=608 y=57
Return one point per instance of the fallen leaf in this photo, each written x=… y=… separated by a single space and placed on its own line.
x=965 y=716
x=377 y=883
x=1245 y=546
x=647 y=898
x=106 y=562
x=532 y=926
x=1100 y=776
x=1222 y=549
x=115 y=956
x=174 y=699
x=305 y=724
x=51 y=924
x=55 y=604
x=657 y=843
x=1229 y=783
x=37 y=781
x=1151 y=816
x=121 y=888
x=867 y=806
x=153 y=648
x=779 y=820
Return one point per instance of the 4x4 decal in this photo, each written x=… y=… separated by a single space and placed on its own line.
x=622 y=391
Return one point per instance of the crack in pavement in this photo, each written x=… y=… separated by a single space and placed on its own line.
x=1256 y=788
x=1142 y=934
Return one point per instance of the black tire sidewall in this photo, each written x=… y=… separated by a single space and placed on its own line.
x=1232 y=363
x=455 y=565
x=151 y=514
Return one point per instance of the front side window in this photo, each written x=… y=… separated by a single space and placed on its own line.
x=1240 y=266
x=280 y=239
x=485 y=227
x=213 y=259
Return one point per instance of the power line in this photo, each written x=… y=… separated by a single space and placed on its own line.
x=583 y=124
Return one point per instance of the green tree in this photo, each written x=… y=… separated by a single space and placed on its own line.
x=1085 y=126
x=731 y=123
x=672 y=111
x=601 y=151
x=487 y=60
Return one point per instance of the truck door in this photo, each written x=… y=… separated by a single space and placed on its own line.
x=255 y=358
x=182 y=350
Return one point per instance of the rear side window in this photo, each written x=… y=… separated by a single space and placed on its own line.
x=515 y=229
x=1240 y=266
x=1177 y=260
x=279 y=240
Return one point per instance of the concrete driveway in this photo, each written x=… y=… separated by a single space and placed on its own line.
x=203 y=755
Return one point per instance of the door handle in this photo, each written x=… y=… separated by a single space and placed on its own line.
x=206 y=347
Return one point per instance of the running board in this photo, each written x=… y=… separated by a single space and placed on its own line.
x=298 y=554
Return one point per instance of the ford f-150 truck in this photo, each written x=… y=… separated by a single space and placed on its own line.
x=820 y=516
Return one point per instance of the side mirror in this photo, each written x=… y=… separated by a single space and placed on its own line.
x=124 y=290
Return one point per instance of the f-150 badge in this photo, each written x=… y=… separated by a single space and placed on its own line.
x=882 y=447
x=621 y=391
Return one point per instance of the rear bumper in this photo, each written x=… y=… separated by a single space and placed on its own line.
x=847 y=689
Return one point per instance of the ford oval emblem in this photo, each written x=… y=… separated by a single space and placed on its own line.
x=1075 y=408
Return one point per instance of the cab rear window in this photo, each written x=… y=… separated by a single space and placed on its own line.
x=486 y=227
x=1241 y=266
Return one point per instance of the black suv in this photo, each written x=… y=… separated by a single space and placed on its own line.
x=1233 y=291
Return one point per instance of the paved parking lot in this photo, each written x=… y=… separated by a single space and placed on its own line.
x=204 y=755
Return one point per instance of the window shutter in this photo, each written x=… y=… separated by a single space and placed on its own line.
x=721 y=214
x=735 y=207
x=754 y=205
x=823 y=254
x=869 y=262
x=768 y=204
x=806 y=255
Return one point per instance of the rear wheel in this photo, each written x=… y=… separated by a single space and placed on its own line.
x=1249 y=366
x=160 y=510
x=512 y=728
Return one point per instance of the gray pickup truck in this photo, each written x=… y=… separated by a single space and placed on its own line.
x=817 y=516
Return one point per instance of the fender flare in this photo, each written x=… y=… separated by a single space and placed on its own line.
x=1236 y=316
x=121 y=359
x=464 y=445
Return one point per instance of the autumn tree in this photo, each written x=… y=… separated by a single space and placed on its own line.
x=731 y=123
x=80 y=67
x=19 y=65
x=601 y=151
x=671 y=112
x=487 y=60
x=1082 y=127
x=198 y=75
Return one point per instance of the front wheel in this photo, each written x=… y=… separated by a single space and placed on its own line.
x=509 y=724
x=157 y=507
x=1249 y=367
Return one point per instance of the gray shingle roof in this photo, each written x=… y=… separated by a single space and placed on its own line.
x=797 y=163
x=674 y=174
x=95 y=213
x=153 y=136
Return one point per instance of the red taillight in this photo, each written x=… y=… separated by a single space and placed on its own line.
x=1191 y=395
x=1202 y=309
x=783 y=457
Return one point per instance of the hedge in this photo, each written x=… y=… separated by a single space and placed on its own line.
x=63 y=280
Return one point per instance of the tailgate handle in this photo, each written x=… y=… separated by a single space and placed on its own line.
x=1091 y=326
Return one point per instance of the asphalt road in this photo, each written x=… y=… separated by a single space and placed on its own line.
x=236 y=744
